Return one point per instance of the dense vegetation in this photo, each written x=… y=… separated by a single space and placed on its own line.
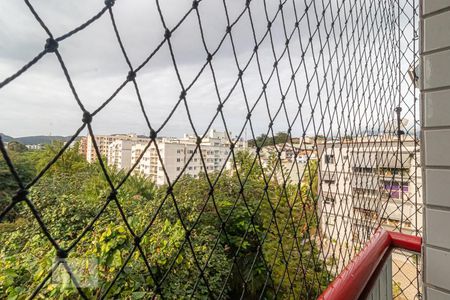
x=268 y=140
x=226 y=228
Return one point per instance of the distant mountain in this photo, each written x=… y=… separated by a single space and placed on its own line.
x=6 y=138
x=34 y=140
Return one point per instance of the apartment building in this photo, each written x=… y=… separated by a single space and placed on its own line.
x=119 y=154
x=366 y=182
x=103 y=142
x=82 y=146
x=181 y=154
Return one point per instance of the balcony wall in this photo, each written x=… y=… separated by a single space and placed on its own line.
x=435 y=98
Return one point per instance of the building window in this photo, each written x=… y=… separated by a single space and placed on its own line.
x=178 y=159
x=178 y=168
x=330 y=221
x=329 y=200
x=362 y=170
x=329 y=159
x=395 y=190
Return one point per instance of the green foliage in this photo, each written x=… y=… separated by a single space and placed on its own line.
x=16 y=147
x=70 y=162
x=225 y=232
x=8 y=186
x=268 y=140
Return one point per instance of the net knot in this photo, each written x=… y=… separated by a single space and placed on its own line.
x=249 y=115
x=61 y=253
x=232 y=146
x=109 y=3
x=194 y=4
x=112 y=195
x=131 y=75
x=228 y=30
x=137 y=240
x=153 y=134
x=21 y=195
x=219 y=107
x=87 y=117
x=247 y=3
x=170 y=189
x=167 y=34
x=209 y=57
x=269 y=25
x=51 y=45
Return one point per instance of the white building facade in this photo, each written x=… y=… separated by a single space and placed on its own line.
x=363 y=183
x=366 y=183
x=104 y=141
x=183 y=155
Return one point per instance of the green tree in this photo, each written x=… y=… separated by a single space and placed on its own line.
x=233 y=229
x=24 y=167
x=269 y=140
x=16 y=147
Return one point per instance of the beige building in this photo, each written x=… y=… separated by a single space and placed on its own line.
x=119 y=154
x=103 y=142
x=177 y=153
x=83 y=146
x=366 y=182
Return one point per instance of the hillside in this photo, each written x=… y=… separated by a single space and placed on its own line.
x=33 y=140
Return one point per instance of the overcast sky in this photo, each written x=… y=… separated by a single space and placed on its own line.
x=40 y=101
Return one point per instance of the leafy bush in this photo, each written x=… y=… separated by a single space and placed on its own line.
x=225 y=229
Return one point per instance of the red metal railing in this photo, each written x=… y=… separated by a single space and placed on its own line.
x=356 y=279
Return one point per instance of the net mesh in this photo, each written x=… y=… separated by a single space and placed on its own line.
x=326 y=151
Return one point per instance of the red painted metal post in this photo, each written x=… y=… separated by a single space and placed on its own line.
x=404 y=241
x=352 y=281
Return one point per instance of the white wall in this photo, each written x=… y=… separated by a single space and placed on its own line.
x=435 y=102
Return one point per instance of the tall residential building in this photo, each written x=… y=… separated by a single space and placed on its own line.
x=177 y=153
x=364 y=183
x=367 y=182
x=83 y=146
x=103 y=142
x=119 y=154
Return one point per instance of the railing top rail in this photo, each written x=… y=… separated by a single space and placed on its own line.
x=352 y=281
